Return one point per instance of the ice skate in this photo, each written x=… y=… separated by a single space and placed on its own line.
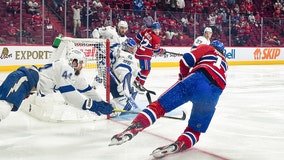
x=126 y=135
x=139 y=87
x=169 y=149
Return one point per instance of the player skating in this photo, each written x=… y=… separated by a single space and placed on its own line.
x=202 y=85
x=204 y=39
x=148 y=44
x=15 y=88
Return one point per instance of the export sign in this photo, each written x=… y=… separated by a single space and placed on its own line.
x=22 y=55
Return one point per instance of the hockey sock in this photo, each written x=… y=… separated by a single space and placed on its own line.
x=149 y=115
x=189 y=137
x=142 y=76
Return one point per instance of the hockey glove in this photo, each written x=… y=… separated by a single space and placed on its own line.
x=98 y=107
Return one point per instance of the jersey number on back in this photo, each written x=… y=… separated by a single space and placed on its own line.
x=218 y=62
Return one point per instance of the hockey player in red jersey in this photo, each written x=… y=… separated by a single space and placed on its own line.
x=201 y=80
x=148 y=44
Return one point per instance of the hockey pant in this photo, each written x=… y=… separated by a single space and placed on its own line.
x=195 y=88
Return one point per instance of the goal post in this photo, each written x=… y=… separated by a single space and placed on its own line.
x=95 y=50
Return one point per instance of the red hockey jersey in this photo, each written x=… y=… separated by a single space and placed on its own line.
x=148 y=43
x=206 y=57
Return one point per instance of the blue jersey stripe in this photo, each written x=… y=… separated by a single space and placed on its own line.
x=65 y=89
x=46 y=66
x=191 y=137
x=85 y=90
x=150 y=114
x=189 y=59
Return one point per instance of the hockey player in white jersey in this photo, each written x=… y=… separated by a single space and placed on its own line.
x=123 y=64
x=60 y=76
x=124 y=69
x=204 y=39
x=116 y=35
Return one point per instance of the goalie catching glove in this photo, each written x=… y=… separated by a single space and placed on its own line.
x=98 y=107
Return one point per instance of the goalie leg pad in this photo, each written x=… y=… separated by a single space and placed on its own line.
x=120 y=103
x=124 y=88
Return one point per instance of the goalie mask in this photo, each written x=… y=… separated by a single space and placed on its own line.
x=129 y=45
x=76 y=59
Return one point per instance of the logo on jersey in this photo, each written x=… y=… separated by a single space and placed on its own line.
x=17 y=85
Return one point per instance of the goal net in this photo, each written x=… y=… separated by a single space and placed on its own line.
x=53 y=107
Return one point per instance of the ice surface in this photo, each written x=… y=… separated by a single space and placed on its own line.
x=248 y=125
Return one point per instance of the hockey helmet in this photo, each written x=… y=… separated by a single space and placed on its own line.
x=156 y=25
x=208 y=29
x=122 y=28
x=219 y=46
x=122 y=24
x=77 y=56
x=129 y=45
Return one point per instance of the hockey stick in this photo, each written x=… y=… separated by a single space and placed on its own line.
x=134 y=112
x=174 y=53
x=148 y=97
x=148 y=92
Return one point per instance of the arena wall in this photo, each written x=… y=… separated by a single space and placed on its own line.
x=11 y=57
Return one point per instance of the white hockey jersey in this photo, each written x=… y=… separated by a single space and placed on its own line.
x=124 y=63
x=60 y=76
x=110 y=33
x=200 y=40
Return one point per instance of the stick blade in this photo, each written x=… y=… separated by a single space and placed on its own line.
x=183 y=117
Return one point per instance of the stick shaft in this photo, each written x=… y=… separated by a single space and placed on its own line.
x=174 y=53
x=135 y=112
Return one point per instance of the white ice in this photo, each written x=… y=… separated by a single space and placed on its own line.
x=248 y=125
